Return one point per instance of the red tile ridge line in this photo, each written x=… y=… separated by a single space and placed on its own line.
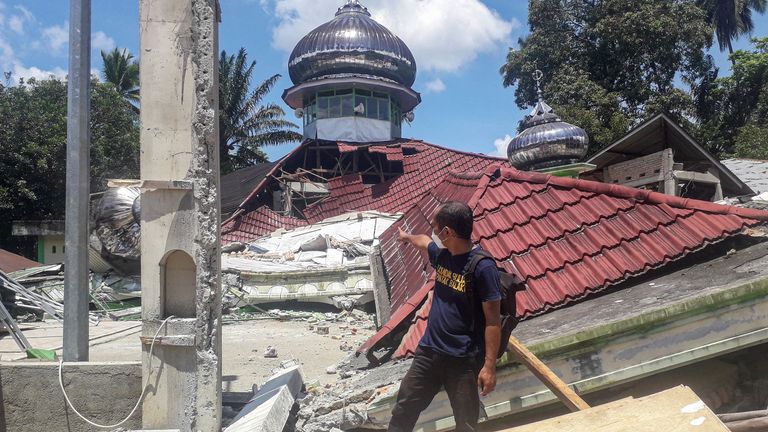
x=632 y=193
x=477 y=155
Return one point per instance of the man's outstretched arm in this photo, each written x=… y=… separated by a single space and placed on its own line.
x=421 y=241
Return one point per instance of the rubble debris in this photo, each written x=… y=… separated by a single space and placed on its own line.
x=344 y=405
x=322 y=329
x=270 y=352
x=233 y=247
x=270 y=407
x=331 y=370
x=36 y=301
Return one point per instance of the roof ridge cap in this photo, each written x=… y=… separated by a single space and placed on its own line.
x=637 y=194
x=480 y=155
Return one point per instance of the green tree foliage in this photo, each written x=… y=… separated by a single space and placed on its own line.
x=122 y=72
x=245 y=125
x=609 y=64
x=33 y=137
x=731 y=18
x=732 y=111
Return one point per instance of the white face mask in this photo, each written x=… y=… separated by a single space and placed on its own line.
x=436 y=239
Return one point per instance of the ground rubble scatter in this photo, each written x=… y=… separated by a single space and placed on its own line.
x=344 y=405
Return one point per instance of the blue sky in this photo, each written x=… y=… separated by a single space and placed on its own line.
x=459 y=46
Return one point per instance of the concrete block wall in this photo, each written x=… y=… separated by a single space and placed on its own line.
x=103 y=392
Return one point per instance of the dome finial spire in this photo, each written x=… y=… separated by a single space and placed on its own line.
x=537 y=75
x=353 y=6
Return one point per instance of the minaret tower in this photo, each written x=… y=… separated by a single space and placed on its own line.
x=352 y=79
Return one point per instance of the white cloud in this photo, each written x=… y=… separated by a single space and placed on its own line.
x=19 y=71
x=436 y=86
x=16 y=22
x=101 y=42
x=56 y=37
x=444 y=35
x=501 y=146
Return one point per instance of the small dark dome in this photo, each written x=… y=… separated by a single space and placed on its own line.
x=352 y=45
x=546 y=141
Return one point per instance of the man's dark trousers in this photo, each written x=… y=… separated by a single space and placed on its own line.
x=428 y=373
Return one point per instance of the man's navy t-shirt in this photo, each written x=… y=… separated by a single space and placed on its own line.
x=449 y=327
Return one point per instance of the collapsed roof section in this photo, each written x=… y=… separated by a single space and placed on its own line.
x=566 y=238
x=322 y=179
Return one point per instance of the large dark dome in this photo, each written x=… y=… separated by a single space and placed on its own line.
x=352 y=45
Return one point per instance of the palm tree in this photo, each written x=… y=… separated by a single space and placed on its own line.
x=245 y=126
x=731 y=18
x=122 y=72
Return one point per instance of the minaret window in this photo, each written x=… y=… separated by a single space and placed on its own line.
x=351 y=103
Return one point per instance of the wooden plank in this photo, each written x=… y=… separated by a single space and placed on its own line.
x=678 y=409
x=545 y=374
x=751 y=425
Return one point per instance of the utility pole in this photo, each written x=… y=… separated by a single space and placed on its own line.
x=76 y=283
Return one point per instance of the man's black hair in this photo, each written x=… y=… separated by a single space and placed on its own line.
x=456 y=216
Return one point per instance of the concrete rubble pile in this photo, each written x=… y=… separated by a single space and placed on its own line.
x=327 y=262
x=344 y=406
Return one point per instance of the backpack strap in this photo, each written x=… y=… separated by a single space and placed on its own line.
x=471 y=265
x=469 y=277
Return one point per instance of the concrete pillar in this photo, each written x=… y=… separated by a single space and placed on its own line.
x=180 y=218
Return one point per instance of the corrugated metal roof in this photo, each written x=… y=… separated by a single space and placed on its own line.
x=566 y=238
x=753 y=172
x=235 y=186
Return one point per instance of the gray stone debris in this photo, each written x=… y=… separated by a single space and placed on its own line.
x=270 y=352
x=344 y=405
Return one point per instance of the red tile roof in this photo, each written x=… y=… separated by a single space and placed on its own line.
x=424 y=167
x=566 y=238
x=252 y=225
x=10 y=262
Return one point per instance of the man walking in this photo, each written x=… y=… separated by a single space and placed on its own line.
x=459 y=348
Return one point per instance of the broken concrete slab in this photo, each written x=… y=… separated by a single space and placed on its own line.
x=266 y=413
x=270 y=407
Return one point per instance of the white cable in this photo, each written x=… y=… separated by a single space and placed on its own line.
x=143 y=390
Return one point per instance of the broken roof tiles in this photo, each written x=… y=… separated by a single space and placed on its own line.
x=255 y=224
x=566 y=238
x=424 y=167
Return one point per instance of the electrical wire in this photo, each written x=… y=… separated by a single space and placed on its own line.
x=143 y=390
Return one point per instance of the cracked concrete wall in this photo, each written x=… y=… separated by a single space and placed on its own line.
x=102 y=392
x=179 y=141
